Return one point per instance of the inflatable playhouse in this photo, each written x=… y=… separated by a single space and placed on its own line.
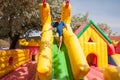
x=86 y=54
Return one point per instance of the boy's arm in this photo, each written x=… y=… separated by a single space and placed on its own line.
x=65 y=26
x=54 y=25
x=51 y=28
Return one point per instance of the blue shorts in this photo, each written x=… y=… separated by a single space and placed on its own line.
x=60 y=33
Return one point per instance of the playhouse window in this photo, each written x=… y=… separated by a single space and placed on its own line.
x=90 y=39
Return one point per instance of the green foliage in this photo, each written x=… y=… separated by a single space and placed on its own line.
x=77 y=20
x=21 y=16
x=18 y=16
x=55 y=7
x=105 y=28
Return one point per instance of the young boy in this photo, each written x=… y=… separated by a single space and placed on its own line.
x=59 y=25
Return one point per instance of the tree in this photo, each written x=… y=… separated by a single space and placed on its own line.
x=17 y=17
x=115 y=33
x=55 y=7
x=77 y=20
x=105 y=28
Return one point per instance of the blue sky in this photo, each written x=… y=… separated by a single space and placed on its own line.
x=100 y=11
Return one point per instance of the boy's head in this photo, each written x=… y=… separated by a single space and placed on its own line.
x=58 y=18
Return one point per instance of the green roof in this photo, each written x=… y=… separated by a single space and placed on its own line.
x=96 y=27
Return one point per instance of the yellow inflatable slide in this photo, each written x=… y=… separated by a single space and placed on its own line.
x=44 y=66
x=78 y=61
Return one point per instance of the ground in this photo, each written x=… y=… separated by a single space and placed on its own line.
x=24 y=72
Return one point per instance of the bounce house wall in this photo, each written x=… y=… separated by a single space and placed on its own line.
x=11 y=59
x=92 y=42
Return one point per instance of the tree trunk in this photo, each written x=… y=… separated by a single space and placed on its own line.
x=14 y=41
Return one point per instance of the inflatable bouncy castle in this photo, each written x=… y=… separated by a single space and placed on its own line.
x=86 y=54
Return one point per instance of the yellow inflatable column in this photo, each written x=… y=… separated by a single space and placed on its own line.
x=44 y=66
x=111 y=73
x=78 y=61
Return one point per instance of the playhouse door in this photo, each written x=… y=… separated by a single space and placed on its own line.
x=92 y=60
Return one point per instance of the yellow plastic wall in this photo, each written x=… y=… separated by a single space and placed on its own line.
x=112 y=73
x=23 y=42
x=77 y=59
x=98 y=46
x=19 y=57
x=44 y=66
x=32 y=42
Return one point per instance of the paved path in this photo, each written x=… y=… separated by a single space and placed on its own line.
x=24 y=72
